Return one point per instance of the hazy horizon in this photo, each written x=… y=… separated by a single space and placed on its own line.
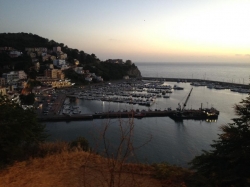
x=213 y=31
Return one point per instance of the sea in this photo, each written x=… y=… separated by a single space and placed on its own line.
x=161 y=139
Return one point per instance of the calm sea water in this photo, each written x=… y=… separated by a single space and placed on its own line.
x=225 y=72
x=170 y=141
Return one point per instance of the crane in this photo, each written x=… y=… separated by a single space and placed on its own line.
x=184 y=105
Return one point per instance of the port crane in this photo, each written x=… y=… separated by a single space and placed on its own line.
x=185 y=103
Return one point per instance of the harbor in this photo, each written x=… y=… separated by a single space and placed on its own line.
x=176 y=139
x=142 y=93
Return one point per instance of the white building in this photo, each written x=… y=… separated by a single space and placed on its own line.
x=79 y=70
x=62 y=56
x=88 y=79
x=99 y=78
x=3 y=91
x=11 y=76
x=22 y=74
x=14 y=76
x=15 y=53
x=64 y=66
x=126 y=77
x=56 y=49
x=59 y=62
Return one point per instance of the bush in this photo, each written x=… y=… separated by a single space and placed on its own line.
x=20 y=131
x=81 y=143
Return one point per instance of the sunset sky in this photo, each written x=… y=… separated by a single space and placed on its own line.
x=140 y=30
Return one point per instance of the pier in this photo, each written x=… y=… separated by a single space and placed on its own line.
x=201 y=114
x=196 y=80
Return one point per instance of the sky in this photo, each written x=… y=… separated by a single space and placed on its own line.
x=139 y=30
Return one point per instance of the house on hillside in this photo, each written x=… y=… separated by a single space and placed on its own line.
x=3 y=91
x=115 y=61
x=59 y=62
x=14 y=54
x=2 y=81
x=56 y=49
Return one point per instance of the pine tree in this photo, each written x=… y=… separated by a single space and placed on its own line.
x=20 y=131
x=228 y=163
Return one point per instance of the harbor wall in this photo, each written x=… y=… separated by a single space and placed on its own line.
x=195 y=80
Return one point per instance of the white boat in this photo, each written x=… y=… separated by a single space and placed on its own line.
x=76 y=111
x=66 y=112
x=66 y=102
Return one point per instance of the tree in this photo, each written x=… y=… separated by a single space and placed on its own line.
x=27 y=99
x=128 y=62
x=20 y=131
x=81 y=143
x=228 y=164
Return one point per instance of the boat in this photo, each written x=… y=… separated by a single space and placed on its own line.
x=67 y=102
x=203 y=114
x=178 y=87
x=66 y=112
x=76 y=111
x=139 y=115
x=166 y=96
x=200 y=114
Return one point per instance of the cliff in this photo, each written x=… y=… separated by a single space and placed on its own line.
x=133 y=71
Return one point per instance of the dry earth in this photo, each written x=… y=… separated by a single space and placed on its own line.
x=78 y=169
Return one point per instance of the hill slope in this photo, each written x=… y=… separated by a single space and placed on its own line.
x=109 y=71
x=73 y=169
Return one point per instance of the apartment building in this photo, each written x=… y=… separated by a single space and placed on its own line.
x=54 y=74
x=2 y=81
x=3 y=91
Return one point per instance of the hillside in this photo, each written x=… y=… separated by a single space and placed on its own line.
x=19 y=41
x=78 y=168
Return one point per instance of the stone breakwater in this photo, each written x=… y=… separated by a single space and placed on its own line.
x=201 y=114
x=195 y=80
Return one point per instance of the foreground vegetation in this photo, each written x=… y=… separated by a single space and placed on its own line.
x=58 y=164
x=227 y=164
x=20 y=132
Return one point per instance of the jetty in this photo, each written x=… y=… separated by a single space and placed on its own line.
x=234 y=84
x=200 y=114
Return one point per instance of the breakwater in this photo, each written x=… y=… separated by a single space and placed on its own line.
x=200 y=114
x=195 y=80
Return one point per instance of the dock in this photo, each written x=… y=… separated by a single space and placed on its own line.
x=189 y=80
x=201 y=114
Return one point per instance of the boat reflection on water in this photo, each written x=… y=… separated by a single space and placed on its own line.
x=211 y=120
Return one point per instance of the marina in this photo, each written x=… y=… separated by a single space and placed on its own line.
x=144 y=93
x=175 y=140
x=72 y=113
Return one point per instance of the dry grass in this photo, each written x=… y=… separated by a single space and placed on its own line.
x=61 y=167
